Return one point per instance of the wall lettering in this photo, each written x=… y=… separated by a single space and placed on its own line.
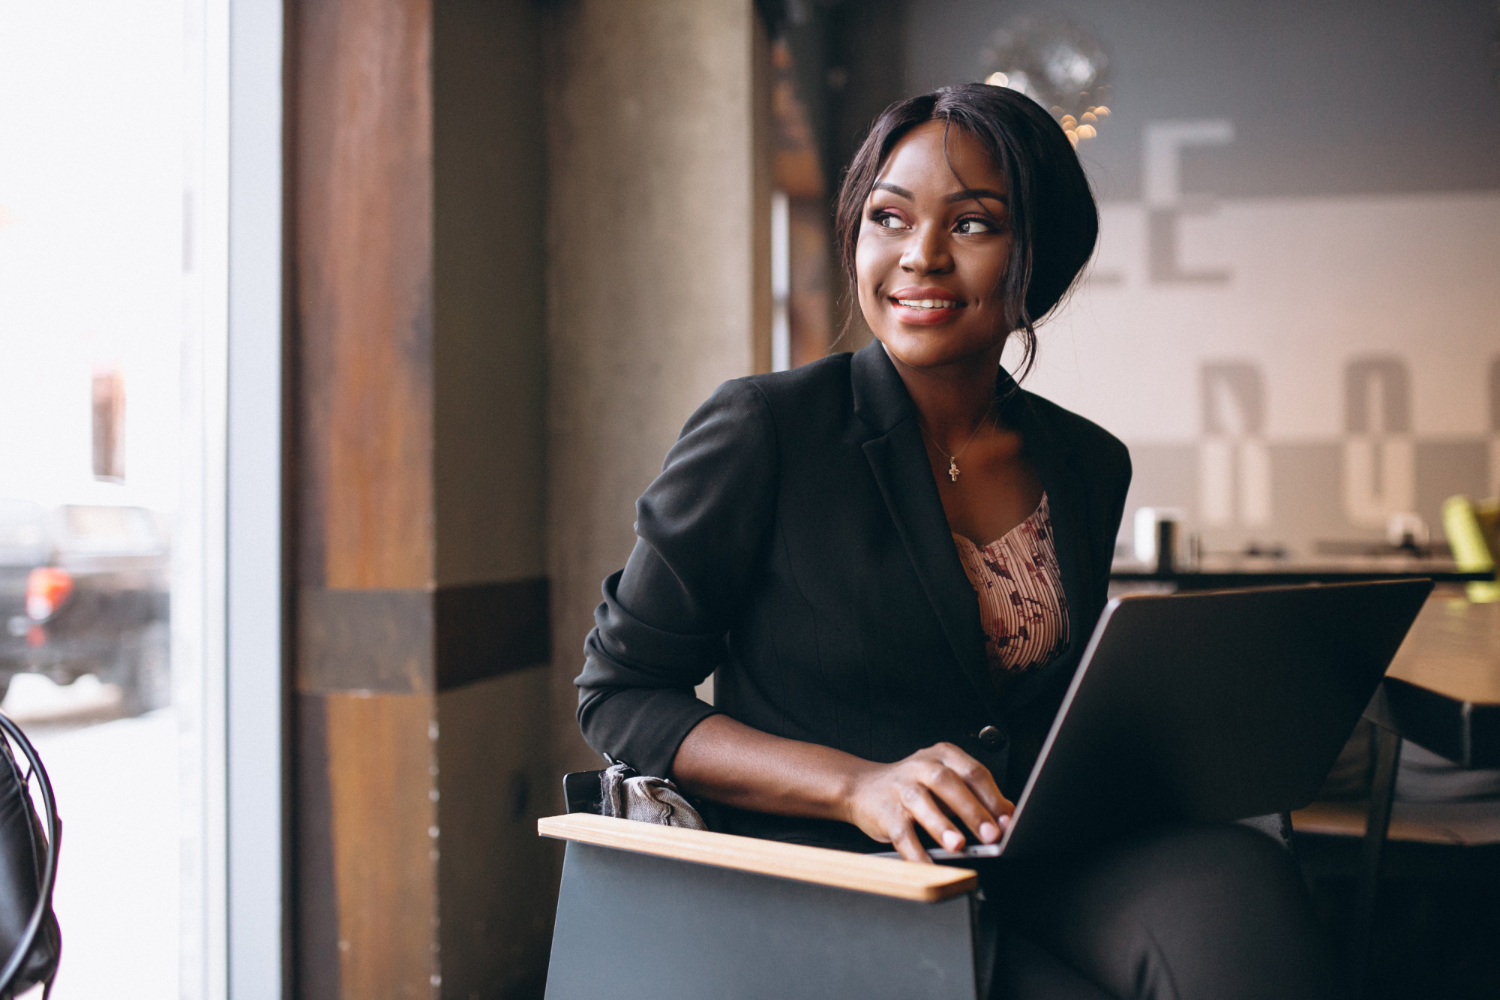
x=1380 y=463
x=1234 y=465
x=1165 y=202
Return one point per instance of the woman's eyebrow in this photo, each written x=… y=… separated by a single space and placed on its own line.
x=895 y=189
x=973 y=193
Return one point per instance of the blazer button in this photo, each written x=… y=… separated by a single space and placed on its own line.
x=990 y=737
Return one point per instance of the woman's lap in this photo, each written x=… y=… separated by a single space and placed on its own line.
x=1178 y=913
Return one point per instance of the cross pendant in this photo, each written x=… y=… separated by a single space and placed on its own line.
x=953 y=468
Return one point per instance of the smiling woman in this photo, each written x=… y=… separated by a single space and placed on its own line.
x=1003 y=163
x=892 y=562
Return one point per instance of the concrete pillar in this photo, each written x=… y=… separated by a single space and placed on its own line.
x=422 y=626
x=658 y=274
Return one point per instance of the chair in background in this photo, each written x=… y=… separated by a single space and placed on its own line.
x=1386 y=791
x=29 y=935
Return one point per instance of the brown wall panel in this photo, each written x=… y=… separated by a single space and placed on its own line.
x=417 y=641
x=497 y=879
x=364 y=287
x=382 y=767
x=317 y=915
x=489 y=304
x=364 y=640
x=489 y=629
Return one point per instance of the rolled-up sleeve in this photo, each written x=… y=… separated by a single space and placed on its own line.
x=701 y=531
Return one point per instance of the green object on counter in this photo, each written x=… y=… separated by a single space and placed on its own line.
x=1471 y=550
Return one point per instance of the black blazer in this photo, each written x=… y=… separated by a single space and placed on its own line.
x=796 y=544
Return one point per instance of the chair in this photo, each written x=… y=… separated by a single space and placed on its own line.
x=1378 y=818
x=646 y=912
x=28 y=870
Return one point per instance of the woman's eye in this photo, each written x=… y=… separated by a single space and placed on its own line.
x=975 y=227
x=886 y=220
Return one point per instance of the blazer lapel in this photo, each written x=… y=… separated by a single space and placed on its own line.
x=898 y=460
x=1067 y=503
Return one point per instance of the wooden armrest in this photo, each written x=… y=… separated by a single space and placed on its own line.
x=842 y=869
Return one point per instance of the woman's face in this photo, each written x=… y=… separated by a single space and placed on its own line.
x=932 y=251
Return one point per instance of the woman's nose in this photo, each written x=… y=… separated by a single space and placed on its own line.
x=926 y=252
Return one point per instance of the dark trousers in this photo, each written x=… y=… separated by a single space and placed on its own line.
x=1180 y=913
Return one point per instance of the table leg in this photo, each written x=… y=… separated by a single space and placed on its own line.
x=1382 y=797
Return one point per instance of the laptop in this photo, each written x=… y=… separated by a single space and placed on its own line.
x=1206 y=707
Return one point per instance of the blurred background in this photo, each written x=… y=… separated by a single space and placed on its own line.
x=339 y=337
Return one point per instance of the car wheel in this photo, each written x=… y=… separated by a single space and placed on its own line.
x=148 y=679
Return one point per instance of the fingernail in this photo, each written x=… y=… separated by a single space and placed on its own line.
x=988 y=832
x=953 y=840
x=1004 y=821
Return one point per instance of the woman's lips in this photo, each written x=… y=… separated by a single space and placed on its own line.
x=924 y=306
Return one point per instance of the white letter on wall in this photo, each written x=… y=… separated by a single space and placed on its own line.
x=1234 y=464
x=1380 y=458
x=1165 y=202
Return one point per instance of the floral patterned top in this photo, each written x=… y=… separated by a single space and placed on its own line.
x=1021 y=602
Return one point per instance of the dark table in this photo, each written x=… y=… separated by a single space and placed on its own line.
x=1442 y=692
x=1234 y=572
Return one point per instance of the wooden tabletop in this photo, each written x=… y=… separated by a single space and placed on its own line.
x=1442 y=691
x=1453 y=649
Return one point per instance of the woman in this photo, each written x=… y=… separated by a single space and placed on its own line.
x=894 y=560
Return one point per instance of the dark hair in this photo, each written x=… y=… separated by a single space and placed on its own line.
x=1054 y=222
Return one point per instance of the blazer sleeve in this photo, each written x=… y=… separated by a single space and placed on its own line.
x=701 y=530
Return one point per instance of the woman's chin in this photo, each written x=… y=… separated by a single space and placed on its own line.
x=931 y=347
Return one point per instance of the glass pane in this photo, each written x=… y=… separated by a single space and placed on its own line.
x=98 y=398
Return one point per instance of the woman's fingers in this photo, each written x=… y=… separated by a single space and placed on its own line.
x=961 y=799
x=918 y=802
x=977 y=777
x=904 y=839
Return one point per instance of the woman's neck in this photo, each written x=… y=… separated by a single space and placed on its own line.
x=951 y=400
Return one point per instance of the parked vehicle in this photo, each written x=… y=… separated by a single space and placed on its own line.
x=23 y=547
x=94 y=598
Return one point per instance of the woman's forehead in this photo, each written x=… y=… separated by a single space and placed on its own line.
x=917 y=159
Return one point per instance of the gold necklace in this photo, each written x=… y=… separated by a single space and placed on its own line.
x=953 y=469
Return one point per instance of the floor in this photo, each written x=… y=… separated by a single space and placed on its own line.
x=1438 y=916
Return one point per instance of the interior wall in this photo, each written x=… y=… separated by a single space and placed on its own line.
x=489 y=295
x=656 y=290
x=1292 y=315
x=495 y=877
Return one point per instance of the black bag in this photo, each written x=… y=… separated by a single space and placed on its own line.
x=29 y=935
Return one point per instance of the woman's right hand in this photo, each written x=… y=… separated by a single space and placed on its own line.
x=930 y=788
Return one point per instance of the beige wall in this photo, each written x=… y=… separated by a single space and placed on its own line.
x=1292 y=317
x=654 y=224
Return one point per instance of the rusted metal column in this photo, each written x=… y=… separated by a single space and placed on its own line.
x=422 y=604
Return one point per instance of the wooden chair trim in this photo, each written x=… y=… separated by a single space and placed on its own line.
x=841 y=869
x=1408 y=824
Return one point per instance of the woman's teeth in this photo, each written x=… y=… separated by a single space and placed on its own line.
x=926 y=303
